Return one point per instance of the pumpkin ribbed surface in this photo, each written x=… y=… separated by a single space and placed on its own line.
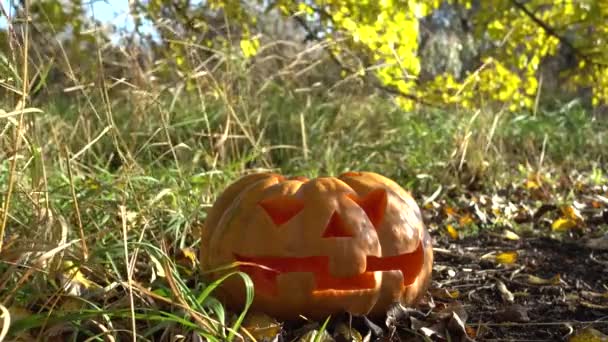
x=315 y=247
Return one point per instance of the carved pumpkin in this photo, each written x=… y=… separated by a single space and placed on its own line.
x=352 y=243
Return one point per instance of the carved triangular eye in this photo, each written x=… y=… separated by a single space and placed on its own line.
x=281 y=209
x=374 y=205
x=336 y=227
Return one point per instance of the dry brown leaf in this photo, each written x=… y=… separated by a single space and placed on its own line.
x=345 y=333
x=262 y=327
x=572 y=213
x=443 y=293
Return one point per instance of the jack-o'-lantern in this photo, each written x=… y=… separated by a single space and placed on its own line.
x=353 y=243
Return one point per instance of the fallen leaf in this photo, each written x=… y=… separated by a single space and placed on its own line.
x=456 y=326
x=449 y=211
x=452 y=232
x=563 y=224
x=504 y=291
x=531 y=184
x=443 y=293
x=506 y=258
x=312 y=336
x=186 y=257
x=466 y=219
x=471 y=331
x=343 y=332
x=588 y=335
x=572 y=213
x=533 y=181
x=509 y=235
x=555 y=280
x=189 y=254
x=261 y=326
x=74 y=281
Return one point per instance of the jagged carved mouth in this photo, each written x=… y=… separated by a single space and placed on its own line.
x=265 y=270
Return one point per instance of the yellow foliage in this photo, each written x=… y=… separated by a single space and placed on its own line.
x=386 y=33
x=250 y=47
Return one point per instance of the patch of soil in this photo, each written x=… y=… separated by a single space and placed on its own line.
x=559 y=286
x=553 y=290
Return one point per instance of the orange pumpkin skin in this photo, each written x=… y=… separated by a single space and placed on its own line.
x=327 y=244
x=397 y=240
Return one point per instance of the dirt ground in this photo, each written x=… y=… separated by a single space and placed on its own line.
x=554 y=291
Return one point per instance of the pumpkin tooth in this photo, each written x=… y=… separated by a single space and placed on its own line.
x=410 y=264
x=374 y=204
x=282 y=209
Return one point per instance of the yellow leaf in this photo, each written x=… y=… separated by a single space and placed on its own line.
x=74 y=276
x=555 y=280
x=588 y=335
x=531 y=184
x=449 y=211
x=188 y=254
x=250 y=47
x=452 y=232
x=466 y=219
x=506 y=257
x=444 y=293
x=563 y=224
